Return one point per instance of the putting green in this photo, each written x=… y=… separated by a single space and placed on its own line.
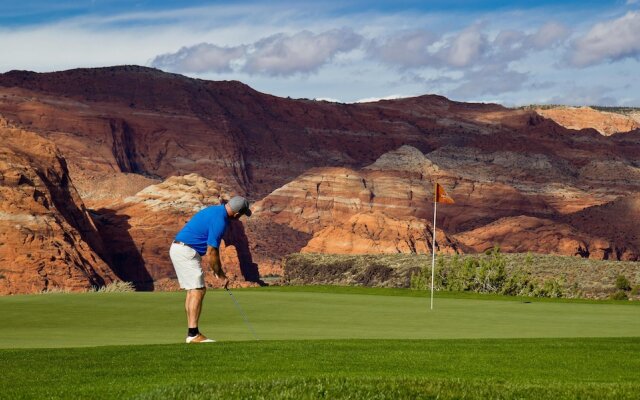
x=91 y=319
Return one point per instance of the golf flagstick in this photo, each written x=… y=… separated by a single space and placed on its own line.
x=439 y=196
x=433 y=252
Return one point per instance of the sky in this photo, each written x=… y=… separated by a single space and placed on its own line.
x=508 y=52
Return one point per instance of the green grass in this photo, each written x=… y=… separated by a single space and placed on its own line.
x=361 y=369
x=318 y=342
x=384 y=291
x=91 y=319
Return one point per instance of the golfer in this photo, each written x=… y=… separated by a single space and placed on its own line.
x=200 y=236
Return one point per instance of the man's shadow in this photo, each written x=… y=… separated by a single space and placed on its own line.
x=235 y=236
x=123 y=256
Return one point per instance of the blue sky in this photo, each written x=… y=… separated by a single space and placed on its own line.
x=509 y=52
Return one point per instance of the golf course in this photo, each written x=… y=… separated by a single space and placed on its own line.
x=318 y=342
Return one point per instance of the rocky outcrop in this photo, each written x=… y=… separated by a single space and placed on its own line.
x=510 y=199
x=377 y=233
x=529 y=234
x=139 y=230
x=47 y=239
x=136 y=119
x=607 y=123
x=326 y=176
x=617 y=221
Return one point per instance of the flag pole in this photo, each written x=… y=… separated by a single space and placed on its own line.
x=433 y=252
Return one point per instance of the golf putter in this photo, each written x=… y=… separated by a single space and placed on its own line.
x=244 y=316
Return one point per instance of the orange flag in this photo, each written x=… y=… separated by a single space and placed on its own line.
x=441 y=196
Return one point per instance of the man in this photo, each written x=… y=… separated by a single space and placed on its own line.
x=200 y=236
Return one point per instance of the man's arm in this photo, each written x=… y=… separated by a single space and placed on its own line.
x=214 y=263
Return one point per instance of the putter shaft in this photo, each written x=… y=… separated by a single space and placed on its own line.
x=244 y=316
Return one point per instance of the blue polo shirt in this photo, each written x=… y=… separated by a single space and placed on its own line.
x=205 y=228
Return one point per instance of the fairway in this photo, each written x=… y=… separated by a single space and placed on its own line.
x=94 y=319
x=336 y=343
x=355 y=369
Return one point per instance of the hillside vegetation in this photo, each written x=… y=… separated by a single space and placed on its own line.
x=611 y=109
x=537 y=275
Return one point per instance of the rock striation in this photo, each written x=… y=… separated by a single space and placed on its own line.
x=47 y=238
x=521 y=202
x=143 y=121
x=145 y=149
x=377 y=233
x=537 y=235
x=607 y=123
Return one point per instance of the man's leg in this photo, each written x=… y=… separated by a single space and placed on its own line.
x=186 y=262
x=193 y=306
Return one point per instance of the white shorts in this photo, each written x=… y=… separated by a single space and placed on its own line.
x=187 y=263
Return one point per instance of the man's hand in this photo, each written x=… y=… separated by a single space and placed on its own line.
x=214 y=263
x=220 y=276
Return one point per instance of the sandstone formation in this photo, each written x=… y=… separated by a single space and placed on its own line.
x=509 y=199
x=617 y=221
x=325 y=176
x=529 y=234
x=47 y=238
x=139 y=230
x=607 y=123
x=377 y=233
x=144 y=121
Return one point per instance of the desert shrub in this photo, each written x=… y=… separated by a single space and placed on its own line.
x=550 y=288
x=619 y=295
x=635 y=291
x=518 y=284
x=374 y=273
x=528 y=259
x=417 y=281
x=462 y=274
x=55 y=290
x=421 y=280
x=574 y=290
x=116 y=287
x=311 y=268
x=622 y=283
x=486 y=273
x=491 y=275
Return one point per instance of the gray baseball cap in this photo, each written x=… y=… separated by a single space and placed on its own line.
x=240 y=205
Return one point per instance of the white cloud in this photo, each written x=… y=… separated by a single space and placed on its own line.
x=465 y=48
x=511 y=45
x=379 y=53
x=204 y=57
x=404 y=49
x=302 y=52
x=611 y=40
x=469 y=48
x=277 y=55
x=549 y=34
